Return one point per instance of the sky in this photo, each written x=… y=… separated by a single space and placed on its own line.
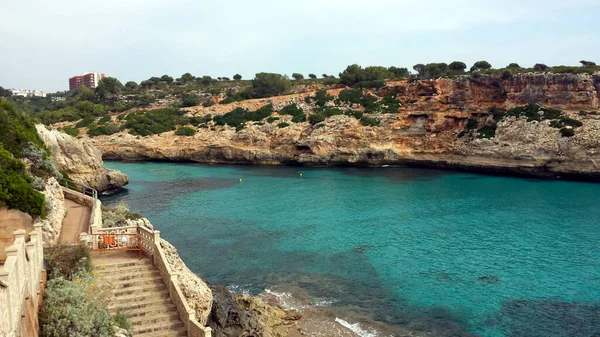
x=44 y=42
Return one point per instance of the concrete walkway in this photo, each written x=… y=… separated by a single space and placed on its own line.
x=76 y=221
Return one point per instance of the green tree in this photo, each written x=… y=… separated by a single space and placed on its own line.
x=109 y=89
x=435 y=70
x=420 y=69
x=540 y=67
x=312 y=76
x=206 y=80
x=84 y=94
x=352 y=75
x=5 y=92
x=166 y=79
x=237 y=77
x=481 y=65
x=325 y=76
x=269 y=84
x=513 y=66
x=399 y=72
x=587 y=64
x=457 y=66
x=297 y=76
x=376 y=73
x=155 y=80
x=225 y=79
x=186 y=78
x=131 y=85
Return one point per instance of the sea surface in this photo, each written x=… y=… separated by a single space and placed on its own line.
x=387 y=250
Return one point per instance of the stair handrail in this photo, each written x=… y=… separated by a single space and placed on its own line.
x=85 y=190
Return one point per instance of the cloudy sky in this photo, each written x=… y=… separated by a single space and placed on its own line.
x=44 y=42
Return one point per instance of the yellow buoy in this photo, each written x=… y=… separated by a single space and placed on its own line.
x=240 y=180
x=301 y=174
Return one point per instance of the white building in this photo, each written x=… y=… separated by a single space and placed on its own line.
x=27 y=93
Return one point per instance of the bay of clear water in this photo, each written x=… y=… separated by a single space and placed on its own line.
x=450 y=253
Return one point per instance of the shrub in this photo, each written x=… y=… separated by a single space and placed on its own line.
x=268 y=85
x=200 y=120
x=320 y=98
x=16 y=190
x=208 y=103
x=190 y=100
x=487 y=131
x=240 y=116
x=367 y=121
x=74 y=308
x=69 y=130
x=66 y=261
x=283 y=125
x=155 y=121
x=316 y=118
x=99 y=130
x=349 y=96
x=185 y=131
x=104 y=120
x=369 y=84
x=571 y=121
x=390 y=104
x=272 y=119
x=567 y=132
x=472 y=124
x=370 y=103
x=293 y=110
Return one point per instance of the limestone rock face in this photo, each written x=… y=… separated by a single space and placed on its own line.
x=426 y=132
x=195 y=290
x=81 y=160
x=55 y=211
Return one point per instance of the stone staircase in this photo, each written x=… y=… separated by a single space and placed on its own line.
x=139 y=293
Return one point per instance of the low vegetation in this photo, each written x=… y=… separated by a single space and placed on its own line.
x=74 y=304
x=532 y=112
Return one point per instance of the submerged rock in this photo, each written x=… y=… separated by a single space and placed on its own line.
x=81 y=161
x=489 y=279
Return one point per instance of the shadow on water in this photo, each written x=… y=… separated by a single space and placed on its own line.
x=169 y=190
x=530 y=318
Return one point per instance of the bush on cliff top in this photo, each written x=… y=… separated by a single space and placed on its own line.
x=155 y=121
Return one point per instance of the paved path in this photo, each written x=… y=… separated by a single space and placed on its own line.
x=76 y=221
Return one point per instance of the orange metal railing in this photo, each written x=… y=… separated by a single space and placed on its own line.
x=131 y=242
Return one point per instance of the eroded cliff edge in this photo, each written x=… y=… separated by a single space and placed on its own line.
x=81 y=161
x=431 y=130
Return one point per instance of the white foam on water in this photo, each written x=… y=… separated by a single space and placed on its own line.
x=323 y=302
x=286 y=300
x=239 y=289
x=356 y=328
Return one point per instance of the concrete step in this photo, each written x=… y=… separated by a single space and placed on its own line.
x=158 y=328
x=138 y=301
x=140 y=289
x=101 y=271
x=116 y=277
x=134 y=281
x=179 y=332
x=122 y=265
x=163 y=318
x=149 y=310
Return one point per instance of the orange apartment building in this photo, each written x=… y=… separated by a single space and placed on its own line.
x=89 y=80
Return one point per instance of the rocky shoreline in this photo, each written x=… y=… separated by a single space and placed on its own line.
x=439 y=125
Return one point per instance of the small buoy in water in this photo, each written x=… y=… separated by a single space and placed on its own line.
x=301 y=174
x=240 y=180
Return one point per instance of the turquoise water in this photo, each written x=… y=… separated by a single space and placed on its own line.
x=453 y=253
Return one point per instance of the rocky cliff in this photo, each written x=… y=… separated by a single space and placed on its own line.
x=81 y=161
x=439 y=124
